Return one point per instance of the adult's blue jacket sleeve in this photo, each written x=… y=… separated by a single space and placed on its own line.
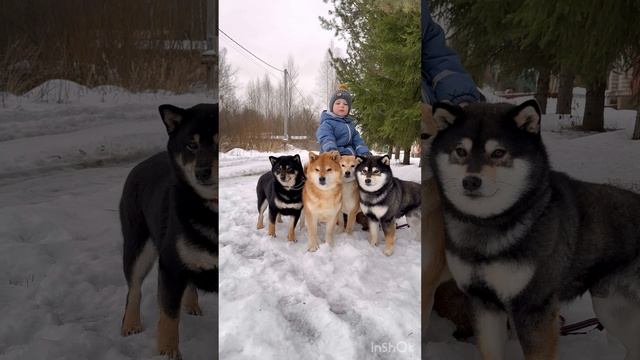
x=443 y=77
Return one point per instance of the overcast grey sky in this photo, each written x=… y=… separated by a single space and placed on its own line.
x=273 y=30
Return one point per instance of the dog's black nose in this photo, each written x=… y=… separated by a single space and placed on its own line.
x=322 y=179
x=471 y=183
x=347 y=173
x=203 y=174
x=367 y=181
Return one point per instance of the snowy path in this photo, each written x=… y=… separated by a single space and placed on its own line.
x=62 y=290
x=278 y=301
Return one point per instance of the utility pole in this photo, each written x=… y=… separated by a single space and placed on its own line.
x=287 y=107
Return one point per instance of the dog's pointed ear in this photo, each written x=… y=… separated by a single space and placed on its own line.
x=273 y=160
x=335 y=156
x=172 y=116
x=296 y=157
x=444 y=114
x=385 y=160
x=359 y=159
x=312 y=156
x=527 y=116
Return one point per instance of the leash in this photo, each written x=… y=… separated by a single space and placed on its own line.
x=572 y=329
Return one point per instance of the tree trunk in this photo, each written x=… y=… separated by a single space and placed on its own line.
x=542 y=89
x=390 y=151
x=594 y=106
x=406 y=159
x=636 y=129
x=565 y=92
x=397 y=148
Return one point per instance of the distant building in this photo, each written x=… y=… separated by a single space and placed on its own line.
x=618 y=93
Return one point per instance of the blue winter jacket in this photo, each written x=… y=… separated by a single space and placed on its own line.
x=336 y=133
x=443 y=77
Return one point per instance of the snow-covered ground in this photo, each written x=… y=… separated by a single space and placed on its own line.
x=64 y=153
x=63 y=161
x=278 y=301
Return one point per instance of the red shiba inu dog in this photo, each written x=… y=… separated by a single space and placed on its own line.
x=322 y=195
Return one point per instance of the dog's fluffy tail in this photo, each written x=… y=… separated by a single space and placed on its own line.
x=135 y=231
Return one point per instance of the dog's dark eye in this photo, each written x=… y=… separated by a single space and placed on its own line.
x=376 y=172
x=364 y=171
x=328 y=169
x=498 y=153
x=342 y=165
x=290 y=171
x=461 y=152
x=318 y=170
x=192 y=146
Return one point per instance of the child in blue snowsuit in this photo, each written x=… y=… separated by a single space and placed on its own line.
x=337 y=130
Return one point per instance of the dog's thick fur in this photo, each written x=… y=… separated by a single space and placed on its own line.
x=281 y=190
x=384 y=198
x=322 y=195
x=522 y=239
x=169 y=210
x=350 y=192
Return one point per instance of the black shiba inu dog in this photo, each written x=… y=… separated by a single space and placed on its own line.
x=169 y=210
x=384 y=198
x=522 y=238
x=281 y=190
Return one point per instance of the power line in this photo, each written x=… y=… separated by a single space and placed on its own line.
x=267 y=71
x=249 y=51
x=299 y=93
x=271 y=66
x=302 y=97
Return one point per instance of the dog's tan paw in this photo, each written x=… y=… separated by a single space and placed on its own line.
x=388 y=251
x=131 y=329
x=373 y=242
x=260 y=226
x=312 y=248
x=171 y=354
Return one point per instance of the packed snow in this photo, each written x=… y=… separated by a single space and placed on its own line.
x=64 y=154
x=279 y=301
x=63 y=161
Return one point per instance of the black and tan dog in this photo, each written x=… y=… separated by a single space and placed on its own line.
x=169 y=210
x=384 y=199
x=281 y=191
x=521 y=238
